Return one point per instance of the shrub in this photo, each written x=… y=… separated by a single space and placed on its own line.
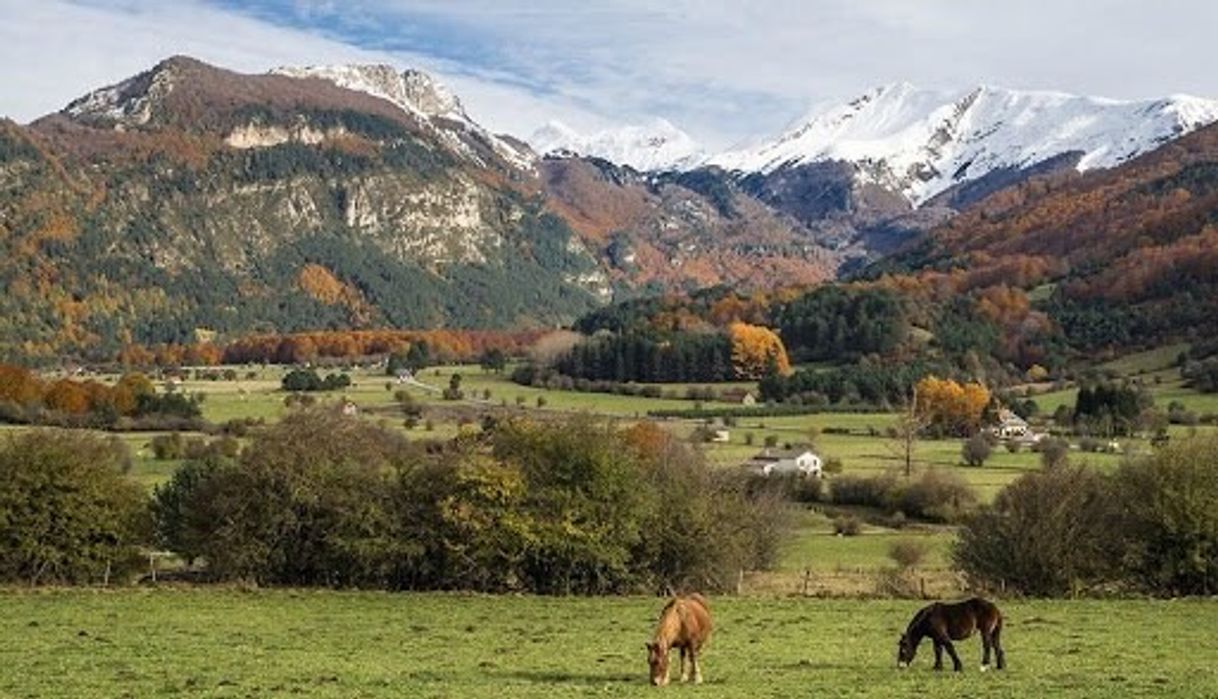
x=1170 y=518
x=67 y=512
x=1053 y=452
x=832 y=466
x=847 y=525
x=1048 y=533
x=560 y=508
x=908 y=553
x=937 y=495
x=306 y=504
x=976 y=450
x=795 y=487
x=865 y=491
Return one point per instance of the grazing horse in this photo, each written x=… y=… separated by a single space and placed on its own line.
x=685 y=623
x=945 y=623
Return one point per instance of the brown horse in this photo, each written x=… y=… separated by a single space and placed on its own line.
x=685 y=623
x=945 y=623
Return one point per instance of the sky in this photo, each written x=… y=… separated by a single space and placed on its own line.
x=726 y=72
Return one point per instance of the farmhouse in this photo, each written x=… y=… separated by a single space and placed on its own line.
x=721 y=436
x=771 y=461
x=1009 y=425
x=743 y=396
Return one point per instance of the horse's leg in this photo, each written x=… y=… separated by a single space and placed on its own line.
x=938 y=654
x=986 y=641
x=1000 y=655
x=951 y=650
x=693 y=660
x=684 y=669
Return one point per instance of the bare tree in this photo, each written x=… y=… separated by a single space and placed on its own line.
x=906 y=432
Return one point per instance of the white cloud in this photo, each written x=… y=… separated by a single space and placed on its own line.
x=721 y=69
x=56 y=50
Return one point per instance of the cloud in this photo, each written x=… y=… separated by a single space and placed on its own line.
x=721 y=69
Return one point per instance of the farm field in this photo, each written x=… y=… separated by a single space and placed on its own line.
x=857 y=439
x=230 y=643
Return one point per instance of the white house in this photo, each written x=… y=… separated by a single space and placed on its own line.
x=1009 y=426
x=721 y=436
x=778 y=461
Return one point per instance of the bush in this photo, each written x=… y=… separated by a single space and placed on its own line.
x=299 y=380
x=976 y=450
x=1053 y=452
x=847 y=525
x=832 y=466
x=865 y=491
x=306 y=504
x=934 y=495
x=1170 y=518
x=1048 y=533
x=67 y=512
x=561 y=508
x=937 y=495
x=796 y=487
x=908 y=553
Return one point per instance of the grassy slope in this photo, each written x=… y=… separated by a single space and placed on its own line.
x=223 y=643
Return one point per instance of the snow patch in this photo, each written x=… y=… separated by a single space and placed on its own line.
x=921 y=142
x=653 y=146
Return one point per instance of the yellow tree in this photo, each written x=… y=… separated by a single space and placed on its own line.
x=755 y=349
x=950 y=407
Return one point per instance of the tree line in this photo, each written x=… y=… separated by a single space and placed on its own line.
x=578 y=507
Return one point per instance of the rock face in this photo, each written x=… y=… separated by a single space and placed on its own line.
x=424 y=97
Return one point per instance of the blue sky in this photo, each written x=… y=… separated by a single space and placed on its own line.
x=723 y=71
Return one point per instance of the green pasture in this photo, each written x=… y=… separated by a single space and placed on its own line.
x=814 y=546
x=210 y=642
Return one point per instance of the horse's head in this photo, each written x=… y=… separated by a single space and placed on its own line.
x=905 y=651
x=657 y=658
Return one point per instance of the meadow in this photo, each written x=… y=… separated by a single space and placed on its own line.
x=232 y=643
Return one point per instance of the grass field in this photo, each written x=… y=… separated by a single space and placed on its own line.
x=226 y=643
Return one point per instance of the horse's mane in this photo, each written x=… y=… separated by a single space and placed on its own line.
x=920 y=617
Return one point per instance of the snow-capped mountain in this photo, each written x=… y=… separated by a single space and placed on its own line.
x=922 y=142
x=416 y=92
x=656 y=145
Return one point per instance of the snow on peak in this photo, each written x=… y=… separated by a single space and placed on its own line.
x=415 y=92
x=655 y=145
x=921 y=142
x=130 y=102
x=412 y=90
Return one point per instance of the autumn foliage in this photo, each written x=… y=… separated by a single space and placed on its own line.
x=755 y=350
x=443 y=345
x=949 y=407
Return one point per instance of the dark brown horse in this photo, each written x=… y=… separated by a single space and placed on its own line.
x=685 y=623
x=945 y=623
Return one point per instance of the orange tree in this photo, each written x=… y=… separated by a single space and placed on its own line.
x=755 y=349
x=949 y=407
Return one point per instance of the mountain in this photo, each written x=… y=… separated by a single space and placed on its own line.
x=190 y=200
x=920 y=143
x=867 y=176
x=652 y=147
x=421 y=95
